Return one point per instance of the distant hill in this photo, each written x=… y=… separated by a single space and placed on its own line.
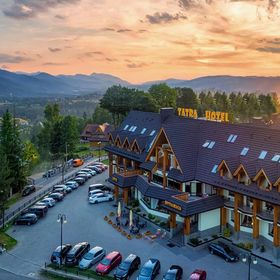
x=42 y=84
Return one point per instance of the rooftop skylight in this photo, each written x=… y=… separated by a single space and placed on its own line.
x=152 y=133
x=232 y=138
x=244 y=151
x=214 y=169
x=262 y=154
x=208 y=144
x=126 y=127
x=143 y=130
x=134 y=128
x=276 y=158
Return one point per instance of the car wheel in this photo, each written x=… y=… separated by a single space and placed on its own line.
x=227 y=260
x=28 y=223
x=95 y=202
x=111 y=199
x=211 y=252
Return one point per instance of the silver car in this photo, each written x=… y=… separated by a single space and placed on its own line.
x=93 y=256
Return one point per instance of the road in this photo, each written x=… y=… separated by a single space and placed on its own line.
x=85 y=223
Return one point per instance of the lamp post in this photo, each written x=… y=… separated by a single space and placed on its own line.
x=249 y=259
x=61 y=218
x=65 y=162
x=99 y=150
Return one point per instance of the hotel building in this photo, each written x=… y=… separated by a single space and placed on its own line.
x=201 y=176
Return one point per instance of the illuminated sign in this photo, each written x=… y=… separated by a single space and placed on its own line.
x=114 y=179
x=209 y=115
x=173 y=205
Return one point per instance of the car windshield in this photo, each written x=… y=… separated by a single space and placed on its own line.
x=228 y=250
x=146 y=272
x=124 y=266
x=105 y=261
x=170 y=276
x=88 y=256
x=56 y=254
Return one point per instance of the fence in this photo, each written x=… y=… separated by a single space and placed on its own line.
x=8 y=217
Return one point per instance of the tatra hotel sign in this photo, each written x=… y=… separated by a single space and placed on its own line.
x=209 y=115
x=173 y=205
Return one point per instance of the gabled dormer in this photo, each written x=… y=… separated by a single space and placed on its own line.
x=262 y=180
x=135 y=147
x=242 y=175
x=224 y=170
x=118 y=141
x=277 y=184
x=126 y=144
x=110 y=138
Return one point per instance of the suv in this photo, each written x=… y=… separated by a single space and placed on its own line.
x=175 y=272
x=40 y=211
x=56 y=196
x=149 y=270
x=99 y=187
x=57 y=253
x=76 y=253
x=27 y=190
x=127 y=267
x=112 y=260
x=223 y=251
x=26 y=219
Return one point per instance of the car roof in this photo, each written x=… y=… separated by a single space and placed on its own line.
x=151 y=262
x=130 y=258
x=28 y=215
x=95 y=249
x=96 y=185
x=112 y=255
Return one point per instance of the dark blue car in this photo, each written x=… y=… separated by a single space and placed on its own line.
x=149 y=270
x=224 y=251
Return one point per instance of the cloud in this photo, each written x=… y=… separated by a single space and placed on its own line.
x=188 y=4
x=107 y=29
x=5 y=67
x=54 y=63
x=6 y=58
x=136 y=65
x=91 y=54
x=269 y=50
x=124 y=30
x=111 y=59
x=54 y=50
x=25 y=9
x=60 y=17
x=159 y=18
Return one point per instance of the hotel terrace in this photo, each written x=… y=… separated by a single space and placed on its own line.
x=201 y=176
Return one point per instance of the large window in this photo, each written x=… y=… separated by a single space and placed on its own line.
x=157 y=179
x=270 y=229
x=173 y=185
x=246 y=221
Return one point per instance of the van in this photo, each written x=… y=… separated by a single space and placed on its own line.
x=77 y=162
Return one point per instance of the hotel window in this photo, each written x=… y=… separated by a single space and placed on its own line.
x=232 y=138
x=244 y=151
x=214 y=169
x=152 y=133
x=276 y=158
x=270 y=229
x=126 y=127
x=262 y=154
x=246 y=221
x=143 y=130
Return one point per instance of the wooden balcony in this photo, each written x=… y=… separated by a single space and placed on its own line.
x=229 y=203
x=266 y=215
x=129 y=173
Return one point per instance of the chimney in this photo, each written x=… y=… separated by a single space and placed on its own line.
x=165 y=113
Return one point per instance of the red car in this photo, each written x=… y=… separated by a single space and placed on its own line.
x=111 y=261
x=198 y=275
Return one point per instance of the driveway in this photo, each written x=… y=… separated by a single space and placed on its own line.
x=85 y=223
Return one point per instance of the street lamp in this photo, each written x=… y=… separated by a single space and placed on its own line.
x=99 y=150
x=61 y=218
x=249 y=259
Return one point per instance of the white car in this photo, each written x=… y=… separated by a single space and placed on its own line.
x=94 y=192
x=50 y=202
x=83 y=173
x=101 y=198
x=72 y=184
x=88 y=170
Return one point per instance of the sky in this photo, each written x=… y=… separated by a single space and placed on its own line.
x=141 y=40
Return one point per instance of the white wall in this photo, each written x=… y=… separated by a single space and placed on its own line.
x=209 y=219
x=264 y=230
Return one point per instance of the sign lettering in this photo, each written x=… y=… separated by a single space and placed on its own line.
x=173 y=205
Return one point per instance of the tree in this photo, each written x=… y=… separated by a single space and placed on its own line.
x=163 y=95
x=31 y=155
x=186 y=98
x=267 y=105
x=101 y=116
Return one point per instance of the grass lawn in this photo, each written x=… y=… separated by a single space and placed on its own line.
x=6 y=239
x=76 y=271
x=106 y=161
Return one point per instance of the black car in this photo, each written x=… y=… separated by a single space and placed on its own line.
x=40 y=211
x=26 y=219
x=27 y=190
x=79 y=180
x=76 y=253
x=57 y=253
x=127 y=267
x=56 y=196
x=175 y=272
x=223 y=251
x=149 y=270
x=99 y=187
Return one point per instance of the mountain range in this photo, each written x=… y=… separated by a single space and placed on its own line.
x=42 y=84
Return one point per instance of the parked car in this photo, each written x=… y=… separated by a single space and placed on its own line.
x=127 y=267
x=56 y=196
x=66 y=188
x=102 y=197
x=58 y=253
x=40 y=211
x=83 y=176
x=198 y=274
x=83 y=173
x=223 y=251
x=50 y=202
x=92 y=172
x=99 y=187
x=93 y=256
x=76 y=253
x=94 y=192
x=27 y=190
x=77 y=162
x=149 y=270
x=95 y=168
x=175 y=272
x=96 y=163
x=80 y=180
x=111 y=261
x=60 y=190
x=26 y=219
x=72 y=184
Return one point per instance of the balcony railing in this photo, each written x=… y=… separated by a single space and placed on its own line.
x=266 y=215
x=245 y=209
x=229 y=203
x=129 y=173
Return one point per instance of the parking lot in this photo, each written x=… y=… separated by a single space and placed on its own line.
x=85 y=222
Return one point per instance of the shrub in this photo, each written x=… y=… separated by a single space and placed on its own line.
x=111 y=214
x=129 y=237
x=262 y=249
x=139 y=235
x=106 y=218
x=195 y=241
x=215 y=236
x=248 y=246
x=227 y=232
x=162 y=224
x=151 y=216
x=110 y=222
x=241 y=245
x=134 y=203
x=157 y=220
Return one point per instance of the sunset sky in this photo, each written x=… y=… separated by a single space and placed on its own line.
x=141 y=40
